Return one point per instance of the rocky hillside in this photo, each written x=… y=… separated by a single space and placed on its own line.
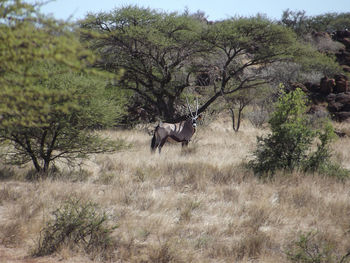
x=332 y=93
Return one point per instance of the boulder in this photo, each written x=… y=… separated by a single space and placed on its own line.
x=345 y=41
x=327 y=85
x=338 y=77
x=343 y=98
x=343 y=57
x=341 y=86
x=346 y=107
x=341 y=83
x=339 y=102
x=334 y=106
x=346 y=68
x=296 y=85
x=342 y=116
x=312 y=87
x=340 y=34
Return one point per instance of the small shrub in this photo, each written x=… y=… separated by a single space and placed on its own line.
x=334 y=170
x=288 y=147
x=308 y=250
x=322 y=155
x=77 y=224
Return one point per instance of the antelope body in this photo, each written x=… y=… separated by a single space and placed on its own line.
x=180 y=132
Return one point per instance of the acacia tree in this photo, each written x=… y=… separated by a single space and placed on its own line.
x=154 y=50
x=159 y=52
x=47 y=102
x=303 y=24
x=244 y=49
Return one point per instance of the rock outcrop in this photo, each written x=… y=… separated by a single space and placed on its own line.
x=343 y=55
x=331 y=93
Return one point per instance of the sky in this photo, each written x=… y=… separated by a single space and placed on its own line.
x=214 y=9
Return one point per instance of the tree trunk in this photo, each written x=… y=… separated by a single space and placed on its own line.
x=46 y=166
x=37 y=166
x=235 y=126
x=233 y=118
x=166 y=109
x=238 y=124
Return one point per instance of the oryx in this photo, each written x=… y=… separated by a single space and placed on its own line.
x=180 y=131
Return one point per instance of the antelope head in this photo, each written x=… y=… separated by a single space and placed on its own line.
x=193 y=117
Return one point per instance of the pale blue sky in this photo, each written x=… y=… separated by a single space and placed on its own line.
x=214 y=9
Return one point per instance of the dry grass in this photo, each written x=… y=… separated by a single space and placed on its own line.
x=197 y=205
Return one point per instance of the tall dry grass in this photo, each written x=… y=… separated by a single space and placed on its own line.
x=194 y=205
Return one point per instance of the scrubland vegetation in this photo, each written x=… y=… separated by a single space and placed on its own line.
x=195 y=205
x=263 y=178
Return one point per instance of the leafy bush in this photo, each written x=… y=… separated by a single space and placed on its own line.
x=77 y=224
x=334 y=170
x=308 y=249
x=289 y=145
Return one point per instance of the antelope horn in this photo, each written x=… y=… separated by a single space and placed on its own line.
x=189 y=108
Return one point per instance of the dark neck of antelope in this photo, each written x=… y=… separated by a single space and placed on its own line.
x=189 y=124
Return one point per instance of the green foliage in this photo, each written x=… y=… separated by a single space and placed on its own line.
x=268 y=44
x=244 y=49
x=289 y=144
x=27 y=38
x=94 y=99
x=52 y=120
x=263 y=39
x=153 y=47
x=296 y=20
x=312 y=60
x=49 y=97
x=321 y=157
x=161 y=52
x=77 y=225
x=333 y=169
x=303 y=24
x=305 y=54
x=307 y=250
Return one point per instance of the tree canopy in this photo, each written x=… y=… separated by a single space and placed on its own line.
x=49 y=97
x=163 y=54
x=303 y=24
x=154 y=49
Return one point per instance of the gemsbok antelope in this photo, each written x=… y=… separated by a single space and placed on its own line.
x=179 y=132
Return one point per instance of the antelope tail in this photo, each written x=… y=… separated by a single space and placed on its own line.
x=154 y=141
x=153 y=144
